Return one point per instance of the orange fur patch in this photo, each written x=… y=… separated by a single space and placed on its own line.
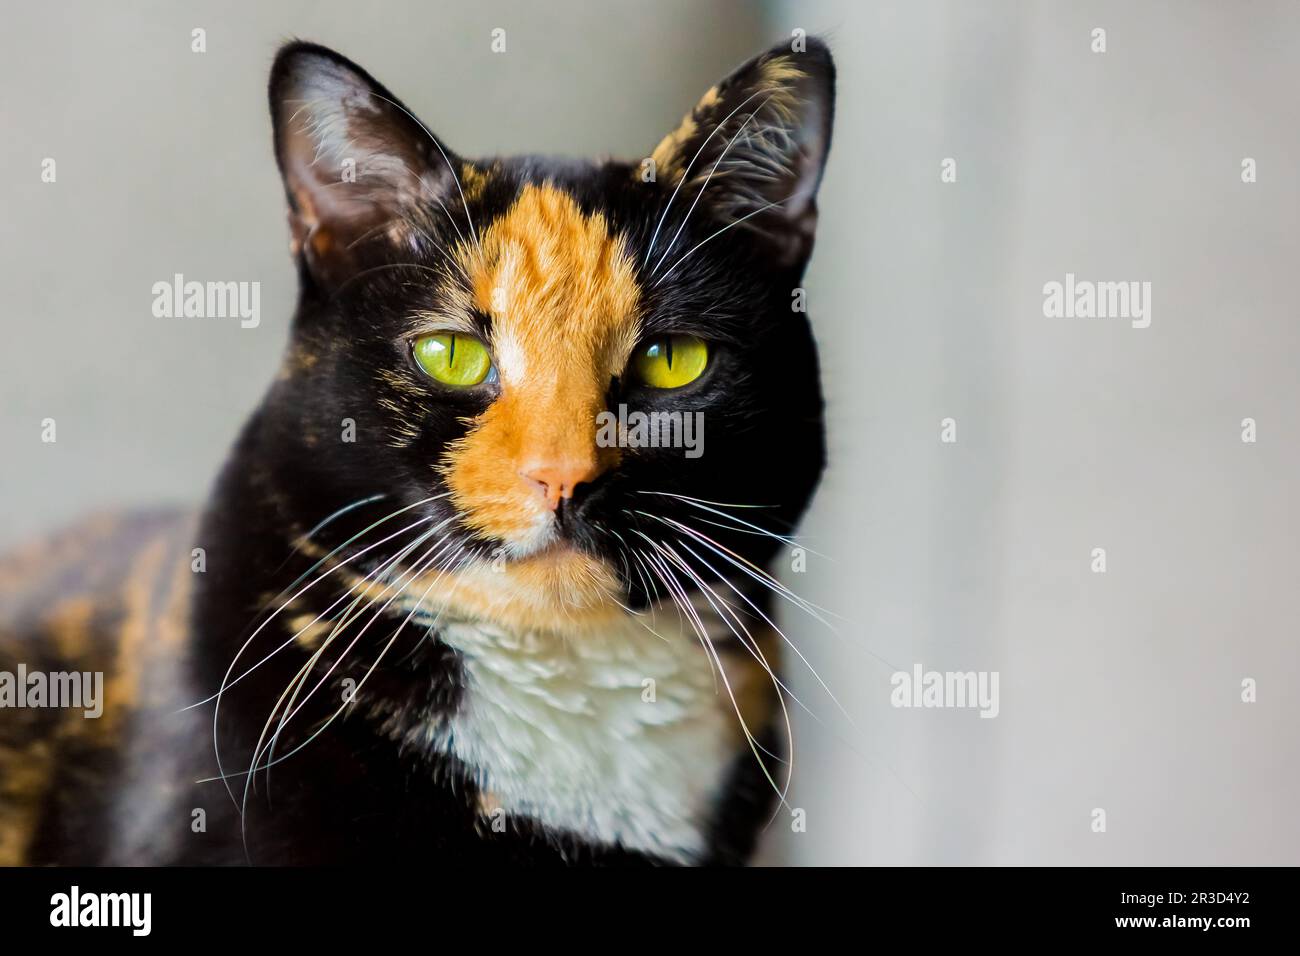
x=557 y=591
x=563 y=299
x=473 y=181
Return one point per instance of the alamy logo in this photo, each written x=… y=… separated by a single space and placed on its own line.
x=920 y=688
x=179 y=299
x=74 y=908
x=72 y=689
x=626 y=429
x=1085 y=299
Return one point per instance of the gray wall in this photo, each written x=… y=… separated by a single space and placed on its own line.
x=1121 y=690
x=1118 y=691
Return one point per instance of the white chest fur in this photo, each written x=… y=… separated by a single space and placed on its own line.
x=621 y=736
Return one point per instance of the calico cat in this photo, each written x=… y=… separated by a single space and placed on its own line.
x=437 y=608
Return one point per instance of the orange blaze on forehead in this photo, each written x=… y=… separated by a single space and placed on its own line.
x=562 y=296
x=554 y=280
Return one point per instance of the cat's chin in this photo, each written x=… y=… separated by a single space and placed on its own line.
x=557 y=588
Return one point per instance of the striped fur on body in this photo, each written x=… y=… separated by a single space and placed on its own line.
x=112 y=596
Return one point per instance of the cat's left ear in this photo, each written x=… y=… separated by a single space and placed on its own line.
x=755 y=145
x=358 y=167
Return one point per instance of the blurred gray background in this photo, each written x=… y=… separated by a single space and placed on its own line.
x=1119 y=691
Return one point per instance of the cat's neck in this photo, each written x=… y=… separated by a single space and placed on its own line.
x=625 y=735
x=612 y=728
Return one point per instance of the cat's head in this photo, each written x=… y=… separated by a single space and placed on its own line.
x=489 y=341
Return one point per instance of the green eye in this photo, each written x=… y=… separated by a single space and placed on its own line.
x=671 y=361
x=453 y=359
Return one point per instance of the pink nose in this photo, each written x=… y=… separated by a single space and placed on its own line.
x=557 y=479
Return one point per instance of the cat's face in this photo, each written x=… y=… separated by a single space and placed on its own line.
x=502 y=334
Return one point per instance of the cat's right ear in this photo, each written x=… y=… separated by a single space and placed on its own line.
x=356 y=164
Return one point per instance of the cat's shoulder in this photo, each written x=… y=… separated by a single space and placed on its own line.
x=71 y=583
x=88 y=616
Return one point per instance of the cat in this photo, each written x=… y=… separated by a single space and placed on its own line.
x=428 y=613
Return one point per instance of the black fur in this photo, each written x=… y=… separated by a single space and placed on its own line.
x=356 y=793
